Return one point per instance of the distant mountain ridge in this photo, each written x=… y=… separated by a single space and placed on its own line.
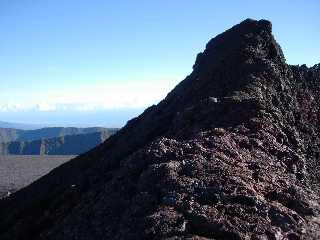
x=11 y=134
x=63 y=145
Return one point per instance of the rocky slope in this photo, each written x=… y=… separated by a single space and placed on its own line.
x=231 y=153
x=64 y=145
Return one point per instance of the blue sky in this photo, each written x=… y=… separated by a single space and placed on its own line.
x=99 y=58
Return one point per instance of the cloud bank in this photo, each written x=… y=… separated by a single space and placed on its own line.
x=121 y=95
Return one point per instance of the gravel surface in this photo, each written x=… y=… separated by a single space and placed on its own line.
x=18 y=171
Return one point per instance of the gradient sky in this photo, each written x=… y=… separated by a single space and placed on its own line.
x=93 y=57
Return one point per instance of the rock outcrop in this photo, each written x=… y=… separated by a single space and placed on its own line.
x=231 y=153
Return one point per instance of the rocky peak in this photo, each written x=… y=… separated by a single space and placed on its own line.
x=249 y=39
x=231 y=153
x=237 y=60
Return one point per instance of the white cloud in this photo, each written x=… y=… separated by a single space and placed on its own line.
x=46 y=107
x=137 y=94
x=13 y=107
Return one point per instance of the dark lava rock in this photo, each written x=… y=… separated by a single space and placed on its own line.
x=231 y=153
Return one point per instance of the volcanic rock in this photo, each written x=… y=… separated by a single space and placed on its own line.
x=231 y=153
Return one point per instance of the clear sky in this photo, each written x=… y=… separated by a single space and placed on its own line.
x=99 y=58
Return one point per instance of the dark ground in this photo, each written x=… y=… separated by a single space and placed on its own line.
x=17 y=172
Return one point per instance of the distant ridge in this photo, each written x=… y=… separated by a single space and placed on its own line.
x=10 y=134
x=64 y=145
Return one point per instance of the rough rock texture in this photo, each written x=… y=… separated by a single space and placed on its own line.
x=231 y=153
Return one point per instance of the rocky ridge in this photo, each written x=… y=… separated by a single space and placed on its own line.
x=231 y=153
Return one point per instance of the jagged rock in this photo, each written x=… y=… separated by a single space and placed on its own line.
x=231 y=153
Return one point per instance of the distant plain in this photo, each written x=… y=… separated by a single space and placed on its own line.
x=18 y=171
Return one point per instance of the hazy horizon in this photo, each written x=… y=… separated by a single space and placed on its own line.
x=106 y=118
x=87 y=63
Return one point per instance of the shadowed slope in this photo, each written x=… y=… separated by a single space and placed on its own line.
x=230 y=153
